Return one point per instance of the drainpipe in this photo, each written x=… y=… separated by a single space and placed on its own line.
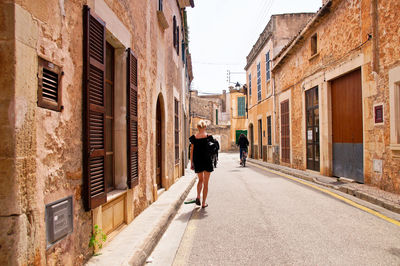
x=375 y=35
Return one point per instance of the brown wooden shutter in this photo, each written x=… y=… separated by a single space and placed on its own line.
x=94 y=44
x=285 y=131
x=132 y=120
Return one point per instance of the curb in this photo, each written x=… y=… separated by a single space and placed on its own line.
x=140 y=256
x=137 y=240
x=350 y=191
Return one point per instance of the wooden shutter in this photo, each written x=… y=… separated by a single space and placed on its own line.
x=132 y=120
x=94 y=44
x=285 y=131
x=49 y=87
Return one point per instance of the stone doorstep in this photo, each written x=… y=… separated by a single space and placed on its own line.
x=137 y=240
x=343 y=188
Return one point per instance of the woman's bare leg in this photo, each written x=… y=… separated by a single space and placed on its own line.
x=200 y=183
x=205 y=187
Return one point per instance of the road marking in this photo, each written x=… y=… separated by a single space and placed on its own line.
x=184 y=250
x=390 y=220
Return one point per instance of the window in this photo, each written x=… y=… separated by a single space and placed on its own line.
x=94 y=111
x=216 y=116
x=267 y=62
x=269 y=130
x=259 y=82
x=249 y=84
x=109 y=117
x=394 y=97
x=160 y=5
x=314 y=44
x=175 y=30
x=49 y=86
x=241 y=106
x=102 y=85
x=176 y=131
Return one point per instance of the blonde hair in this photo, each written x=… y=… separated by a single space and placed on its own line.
x=201 y=124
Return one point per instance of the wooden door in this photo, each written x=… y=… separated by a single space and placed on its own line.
x=312 y=129
x=347 y=126
x=251 y=133
x=158 y=146
x=285 y=131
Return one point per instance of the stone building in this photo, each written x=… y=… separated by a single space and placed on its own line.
x=338 y=96
x=238 y=114
x=261 y=88
x=87 y=89
x=214 y=109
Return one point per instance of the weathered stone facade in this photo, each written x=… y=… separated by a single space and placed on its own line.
x=41 y=150
x=261 y=88
x=350 y=35
x=214 y=109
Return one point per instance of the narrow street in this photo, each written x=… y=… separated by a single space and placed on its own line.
x=259 y=218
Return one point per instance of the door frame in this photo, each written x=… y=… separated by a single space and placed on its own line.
x=307 y=108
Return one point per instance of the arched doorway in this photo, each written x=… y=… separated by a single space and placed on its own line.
x=159 y=143
x=251 y=139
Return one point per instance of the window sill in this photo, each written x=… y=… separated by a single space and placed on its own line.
x=313 y=56
x=115 y=194
x=395 y=148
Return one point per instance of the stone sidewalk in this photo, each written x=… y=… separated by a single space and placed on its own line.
x=137 y=240
x=371 y=194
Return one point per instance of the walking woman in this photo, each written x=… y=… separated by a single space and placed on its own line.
x=201 y=161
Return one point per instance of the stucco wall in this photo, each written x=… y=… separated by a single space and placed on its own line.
x=41 y=159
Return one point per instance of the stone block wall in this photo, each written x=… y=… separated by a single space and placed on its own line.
x=40 y=149
x=344 y=44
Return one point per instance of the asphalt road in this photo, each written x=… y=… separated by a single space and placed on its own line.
x=259 y=218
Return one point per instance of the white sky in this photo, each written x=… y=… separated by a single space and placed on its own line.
x=222 y=33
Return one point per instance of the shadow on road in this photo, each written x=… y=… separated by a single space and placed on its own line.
x=200 y=214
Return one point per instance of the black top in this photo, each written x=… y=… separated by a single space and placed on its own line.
x=243 y=142
x=201 y=158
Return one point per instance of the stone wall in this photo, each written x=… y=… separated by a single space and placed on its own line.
x=41 y=150
x=344 y=45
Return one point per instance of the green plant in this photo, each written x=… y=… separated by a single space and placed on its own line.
x=97 y=239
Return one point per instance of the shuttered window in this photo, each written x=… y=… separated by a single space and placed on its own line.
x=259 y=82
x=132 y=120
x=241 y=106
x=285 y=131
x=176 y=131
x=94 y=110
x=160 y=5
x=49 y=85
x=249 y=84
x=267 y=63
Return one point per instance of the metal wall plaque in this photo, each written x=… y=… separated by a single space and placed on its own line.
x=59 y=220
x=378 y=110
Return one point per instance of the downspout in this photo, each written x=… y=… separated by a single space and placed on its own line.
x=375 y=39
